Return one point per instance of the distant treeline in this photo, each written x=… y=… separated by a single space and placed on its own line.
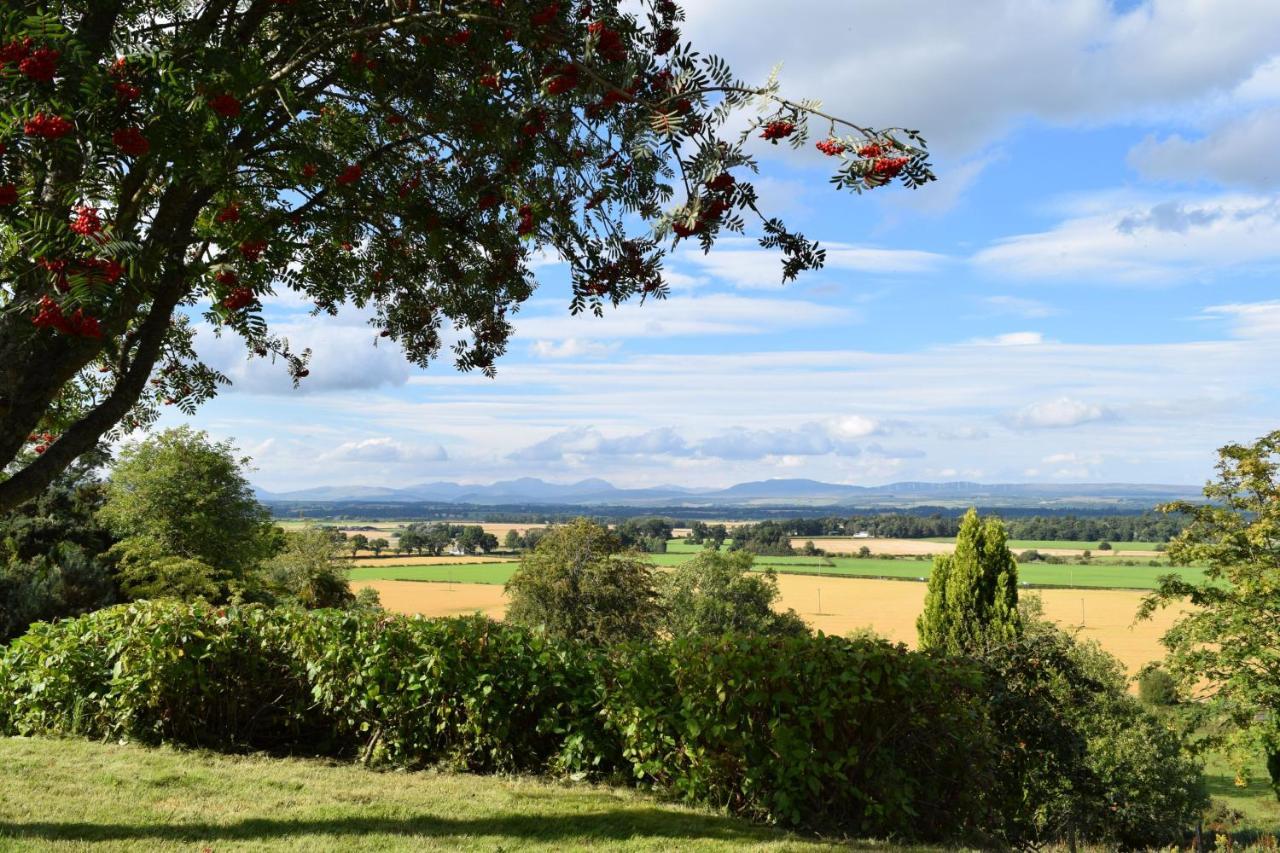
x=1146 y=527
x=679 y=516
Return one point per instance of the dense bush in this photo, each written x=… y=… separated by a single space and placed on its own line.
x=813 y=731
x=822 y=733
x=1157 y=686
x=858 y=737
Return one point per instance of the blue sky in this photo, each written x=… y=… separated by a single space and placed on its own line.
x=1089 y=293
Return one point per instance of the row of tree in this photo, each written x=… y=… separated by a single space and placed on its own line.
x=1144 y=527
x=176 y=518
x=445 y=538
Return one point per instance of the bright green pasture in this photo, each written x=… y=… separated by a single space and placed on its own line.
x=1098 y=575
x=456 y=573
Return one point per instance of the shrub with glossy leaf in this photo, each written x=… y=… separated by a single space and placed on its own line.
x=859 y=737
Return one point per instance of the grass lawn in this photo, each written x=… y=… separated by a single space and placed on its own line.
x=82 y=795
x=1256 y=803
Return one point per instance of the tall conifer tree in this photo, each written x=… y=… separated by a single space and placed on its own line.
x=972 y=603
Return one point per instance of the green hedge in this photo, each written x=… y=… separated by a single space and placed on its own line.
x=856 y=737
x=814 y=732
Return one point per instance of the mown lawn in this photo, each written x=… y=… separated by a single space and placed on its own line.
x=81 y=795
x=459 y=573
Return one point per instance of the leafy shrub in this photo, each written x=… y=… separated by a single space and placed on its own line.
x=856 y=737
x=1157 y=686
x=1080 y=758
x=818 y=732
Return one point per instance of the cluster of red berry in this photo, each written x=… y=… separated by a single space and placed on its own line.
x=526 y=220
x=239 y=297
x=40 y=64
x=131 y=142
x=41 y=440
x=831 y=147
x=76 y=324
x=88 y=223
x=225 y=105
x=47 y=126
x=608 y=43
x=229 y=213
x=251 y=250
x=350 y=175
x=108 y=269
x=565 y=79
x=775 y=130
x=8 y=195
x=714 y=204
x=546 y=15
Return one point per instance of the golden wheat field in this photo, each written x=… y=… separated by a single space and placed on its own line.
x=887 y=607
x=913 y=547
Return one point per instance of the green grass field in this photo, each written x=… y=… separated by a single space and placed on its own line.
x=63 y=795
x=460 y=573
x=1094 y=576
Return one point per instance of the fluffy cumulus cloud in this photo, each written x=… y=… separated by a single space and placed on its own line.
x=346 y=355
x=1238 y=152
x=1160 y=242
x=835 y=437
x=384 y=449
x=1058 y=413
x=588 y=441
x=915 y=64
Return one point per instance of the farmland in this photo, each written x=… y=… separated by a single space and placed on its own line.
x=830 y=604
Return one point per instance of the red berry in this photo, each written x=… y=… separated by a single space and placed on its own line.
x=40 y=65
x=227 y=106
x=87 y=222
x=350 y=175
x=8 y=195
x=47 y=126
x=776 y=130
x=131 y=142
x=230 y=213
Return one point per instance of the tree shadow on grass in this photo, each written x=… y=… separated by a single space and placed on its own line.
x=616 y=825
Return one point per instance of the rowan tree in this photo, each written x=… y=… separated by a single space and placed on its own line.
x=165 y=163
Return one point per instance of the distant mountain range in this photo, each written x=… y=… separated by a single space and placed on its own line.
x=530 y=490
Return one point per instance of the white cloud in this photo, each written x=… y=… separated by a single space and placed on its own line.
x=1031 y=309
x=1058 y=413
x=713 y=314
x=1157 y=243
x=756 y=268
x=1250 y=319
x=572 y=348
x=965 y=72
x=346 y=355
x=1010 y=339
x=384 y=449
x=1239 y=152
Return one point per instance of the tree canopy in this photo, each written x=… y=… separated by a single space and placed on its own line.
x=187 y=519
x=172 y=161
x=1225 y=648
x=580 y=583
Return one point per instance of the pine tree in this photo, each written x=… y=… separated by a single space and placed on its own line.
x=972 y=603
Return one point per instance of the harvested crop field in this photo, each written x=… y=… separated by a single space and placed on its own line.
x=912 y=547
x=887 y=607
x=445 y=560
